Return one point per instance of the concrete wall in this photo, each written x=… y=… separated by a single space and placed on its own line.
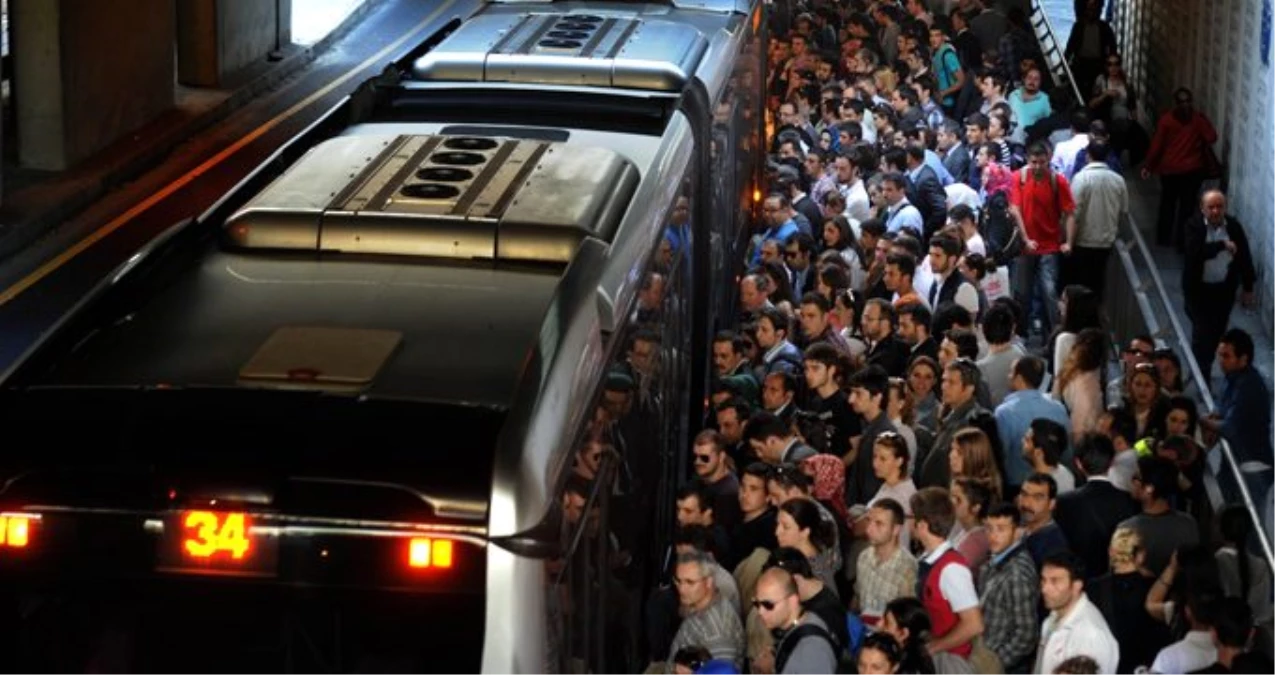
x=86 y=73
x=1215 y=48
x=218 y=38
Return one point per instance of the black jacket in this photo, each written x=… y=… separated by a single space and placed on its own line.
x=1240 y=273
x=891 y=354
x=929 y=347
x=1088 y=517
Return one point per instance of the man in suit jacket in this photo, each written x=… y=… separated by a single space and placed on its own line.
x=1089 y=515
x=931 y=198
x=1218 y=263
x=879 y=324
x=956 y=157
x=790 y=184
x=799 y=254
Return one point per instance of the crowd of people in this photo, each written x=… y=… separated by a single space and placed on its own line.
x=918 y=456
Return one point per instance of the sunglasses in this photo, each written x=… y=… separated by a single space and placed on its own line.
x=703 y=459
x=767 y=605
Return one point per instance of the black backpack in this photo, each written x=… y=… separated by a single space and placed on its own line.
x=798 y=634
x=1004 y=241
x=996 y=224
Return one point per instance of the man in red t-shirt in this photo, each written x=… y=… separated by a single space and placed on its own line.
x=1179 y=153
x=1042 y=199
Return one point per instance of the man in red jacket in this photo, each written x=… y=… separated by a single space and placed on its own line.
x=1178 y=154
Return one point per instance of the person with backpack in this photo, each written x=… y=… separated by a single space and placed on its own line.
x=946 y=65
x=805 y=644
x=1043 y=203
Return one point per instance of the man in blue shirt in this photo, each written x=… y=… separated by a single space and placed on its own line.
x=1014 y=416
x=1244 y=413
x=776 y=212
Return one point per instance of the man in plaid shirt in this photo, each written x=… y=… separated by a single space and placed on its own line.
x=1009 y=592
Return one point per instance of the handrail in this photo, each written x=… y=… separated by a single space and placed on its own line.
x=1049 y=26
x=1202 y=385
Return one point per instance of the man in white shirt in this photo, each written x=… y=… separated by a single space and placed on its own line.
x=1196 y=649
x=949 y=284
x=1075 y=626
x=966 y=218
x=1064 y=159
x=1102 y=202
x=944 y=582
x=1043 y=451
x=850 y=184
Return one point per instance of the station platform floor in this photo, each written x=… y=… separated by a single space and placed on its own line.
x=1144 y=198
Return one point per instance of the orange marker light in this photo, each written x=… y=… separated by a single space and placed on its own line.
x=15 y=531
x=425 y=553
x=19 y=532
x=443 y=553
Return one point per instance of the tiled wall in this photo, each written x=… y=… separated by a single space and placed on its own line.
x=1215 y=48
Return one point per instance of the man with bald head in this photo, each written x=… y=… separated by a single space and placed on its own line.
x=804 y=644
x=1218 y=263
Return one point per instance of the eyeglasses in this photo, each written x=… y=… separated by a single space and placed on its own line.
x=702 y=459
x=765 y=605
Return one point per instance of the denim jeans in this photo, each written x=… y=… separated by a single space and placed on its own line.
x=1036 y=276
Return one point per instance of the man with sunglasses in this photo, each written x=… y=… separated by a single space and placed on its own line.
x=798 y=251
x=814 y=594
x=1140 y=349
x=804 y=644
x=712 y=466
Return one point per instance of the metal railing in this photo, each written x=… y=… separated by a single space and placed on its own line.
x=1052 y=50
x=1137 y=303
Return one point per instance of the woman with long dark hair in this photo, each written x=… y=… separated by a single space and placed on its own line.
x=1078 y=309
x=907 y=622
x=801 y=525
x=880 y=654
x=1079 y=384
